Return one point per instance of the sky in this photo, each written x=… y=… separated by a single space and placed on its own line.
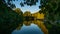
x=32 y=9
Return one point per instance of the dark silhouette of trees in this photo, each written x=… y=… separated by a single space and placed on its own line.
x=51 y=9
x=52 y=14
x=9 y=19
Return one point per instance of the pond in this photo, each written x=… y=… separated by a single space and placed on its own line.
x=29 y=27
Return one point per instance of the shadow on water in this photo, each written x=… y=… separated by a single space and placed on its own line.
x=29 y=27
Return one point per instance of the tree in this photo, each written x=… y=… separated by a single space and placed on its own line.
x=20 y=14
x=18 y=10
x=9 y=19
x=27 y=13
x=51 y=8
x=8 y=3
x=52 y=14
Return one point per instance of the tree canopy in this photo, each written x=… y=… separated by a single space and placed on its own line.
x=51 y=8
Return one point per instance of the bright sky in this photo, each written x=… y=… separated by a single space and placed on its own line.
x=32 y=9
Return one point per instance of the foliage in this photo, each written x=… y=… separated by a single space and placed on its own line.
x=51 y=8
x=27 y=15
x=9 y=19
x=52 y=14
x=10 y=3
x=20 y=13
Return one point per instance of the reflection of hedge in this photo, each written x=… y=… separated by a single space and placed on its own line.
x=9 y=19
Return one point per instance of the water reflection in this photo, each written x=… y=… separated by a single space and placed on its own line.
x=31 y=27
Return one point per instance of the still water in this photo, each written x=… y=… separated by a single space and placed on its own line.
x=29 y=27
